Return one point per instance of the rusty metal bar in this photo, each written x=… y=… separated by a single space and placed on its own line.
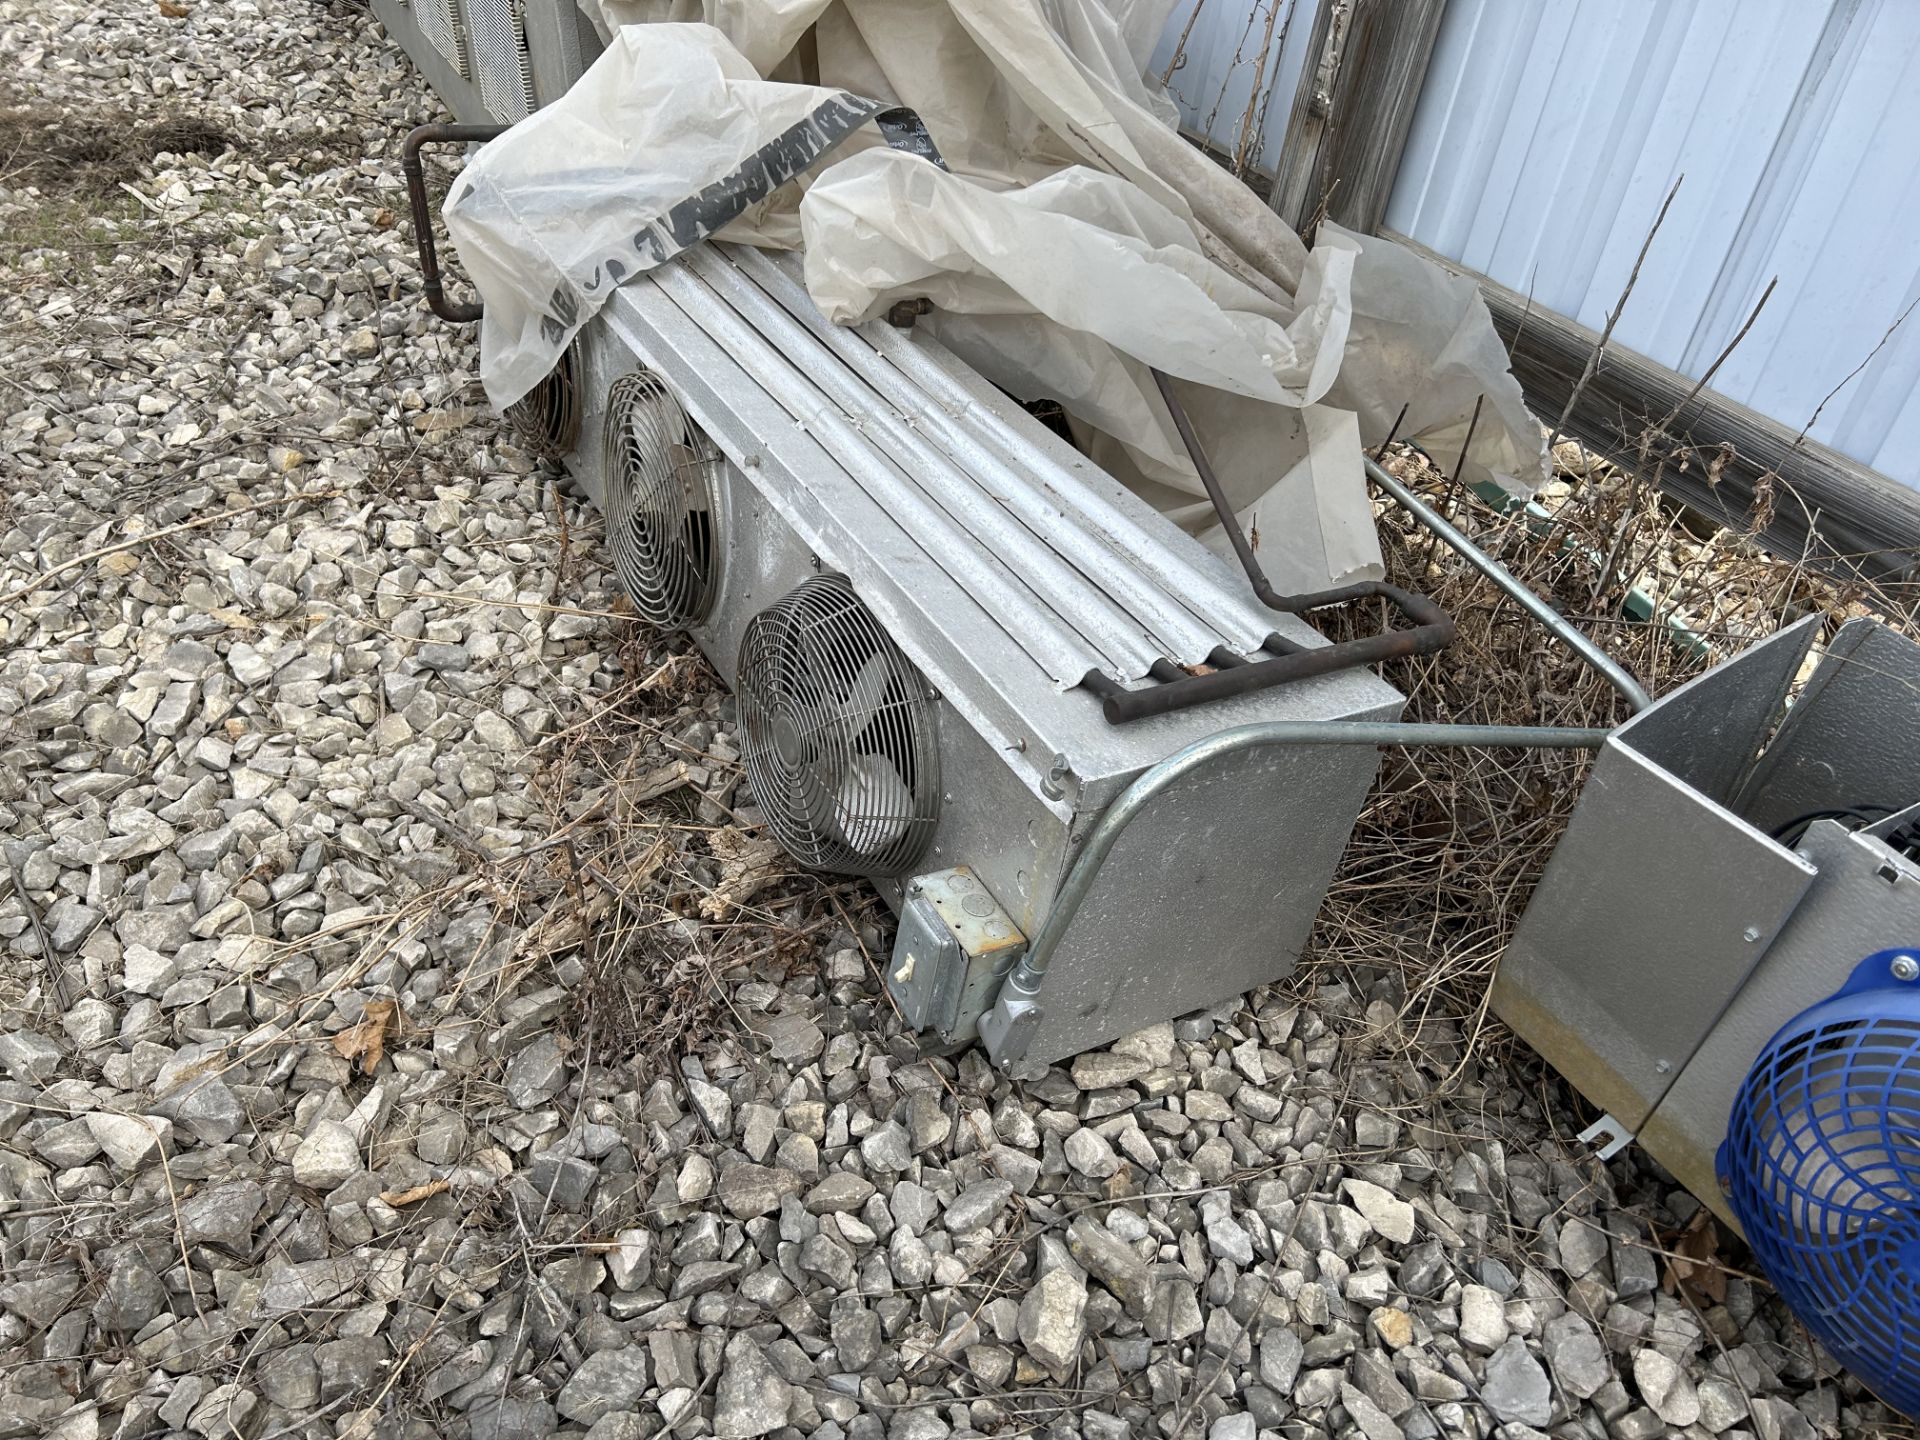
x=410 y=164
x=1432 y=628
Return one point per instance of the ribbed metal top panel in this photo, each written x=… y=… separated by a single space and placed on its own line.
x=1048 y=548
x=1003 y=562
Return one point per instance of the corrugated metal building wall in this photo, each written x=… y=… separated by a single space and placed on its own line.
x=1549 y=132
x=1222 y=70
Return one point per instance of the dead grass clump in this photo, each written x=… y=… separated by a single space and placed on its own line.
x=60 y=152
x=1451 y=843
x=655 y=898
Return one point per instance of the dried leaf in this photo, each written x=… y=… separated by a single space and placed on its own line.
x=1694 y=1264
x=383 y=218
x=173 y=11
x=397 y=1198
x=367 y=1041
x=747 y=863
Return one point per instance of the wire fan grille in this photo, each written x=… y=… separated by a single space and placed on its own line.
x=547 y=417
x=439 y=21
x=840 y=742
x=1822 y=1168
x=498 y=40
x=660 y=502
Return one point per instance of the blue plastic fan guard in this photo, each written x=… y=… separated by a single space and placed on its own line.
x=1821 y=1165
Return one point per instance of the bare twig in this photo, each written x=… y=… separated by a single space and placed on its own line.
x=55 y=972
x=1613 y=318
x=40 y=581
x=1179 y=55
x=1867 y=360
x=1244 y=149
x=1721 y=359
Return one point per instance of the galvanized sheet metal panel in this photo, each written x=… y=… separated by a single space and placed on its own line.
x=1709 y=731
x=1549 y=133
x=1850 y=738
x=1209 y=894
x=1638 y=935
x=1867 y=899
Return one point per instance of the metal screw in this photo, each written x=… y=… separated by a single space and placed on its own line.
x=1662 y=1066
x=1905 y=967
x=1750 y=934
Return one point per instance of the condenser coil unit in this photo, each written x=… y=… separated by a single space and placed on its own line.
x=905 y=577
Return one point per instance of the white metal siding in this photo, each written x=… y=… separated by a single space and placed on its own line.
x=1222 y=63
x=1548 y=133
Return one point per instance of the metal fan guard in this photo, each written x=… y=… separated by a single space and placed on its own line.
x=547 y=417
x=840 y=746
x=1822 y=1168
x=661 y=505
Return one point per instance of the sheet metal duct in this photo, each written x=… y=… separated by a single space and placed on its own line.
x=1728 y=864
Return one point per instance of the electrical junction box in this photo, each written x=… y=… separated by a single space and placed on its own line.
x=954 y=945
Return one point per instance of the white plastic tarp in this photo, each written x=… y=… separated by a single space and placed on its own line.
x=667 y=138
x=1078 y=241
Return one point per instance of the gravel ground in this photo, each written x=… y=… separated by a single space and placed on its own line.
x=401 y=1036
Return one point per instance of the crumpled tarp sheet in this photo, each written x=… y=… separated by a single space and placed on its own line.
x=1077 y=241
x=668 y=137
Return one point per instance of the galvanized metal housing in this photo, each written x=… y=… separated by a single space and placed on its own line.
x=1673 y=933
x=851 y=453
x=1005 y=567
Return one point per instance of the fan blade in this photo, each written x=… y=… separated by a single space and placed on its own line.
x=867 y=693
x=815 y=803
x=873 y=806
x=655 y=427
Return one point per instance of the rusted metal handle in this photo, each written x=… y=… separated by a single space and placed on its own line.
x=1432 y=629
x=458 y=314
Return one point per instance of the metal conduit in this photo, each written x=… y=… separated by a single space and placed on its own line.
x=1564 y=629
x=1009 y=1025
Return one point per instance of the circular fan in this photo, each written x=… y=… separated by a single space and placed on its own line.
x=660 y=509
x=547 y=417
x=840 y=744
x=1821 y=1165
